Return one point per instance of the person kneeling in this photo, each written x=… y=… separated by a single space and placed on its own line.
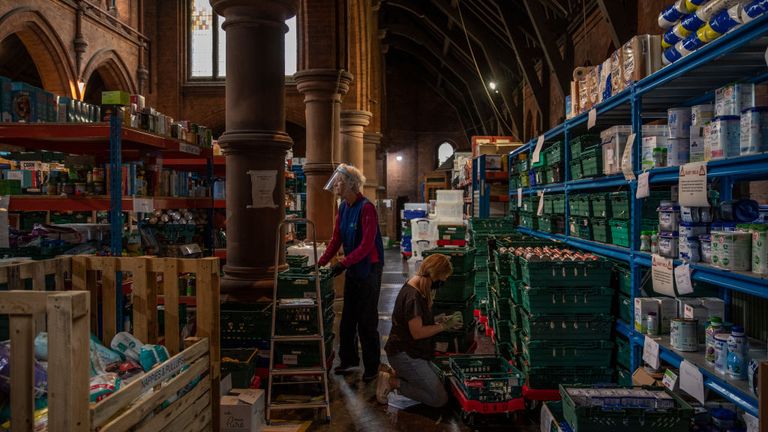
x=409 y=347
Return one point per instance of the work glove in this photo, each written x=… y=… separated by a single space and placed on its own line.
x=337 y=269
x=439 y=319
x=454 y=322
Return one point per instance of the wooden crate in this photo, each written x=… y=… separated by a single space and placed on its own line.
x=94 y=281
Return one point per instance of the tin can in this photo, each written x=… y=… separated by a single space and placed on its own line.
x=679 y=122
x=652 y=324
x=683 y=334
x=721 y=352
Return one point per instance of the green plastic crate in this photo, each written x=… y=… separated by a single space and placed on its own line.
x=623 y=352
x=466 y=307
x=487 y=378
x=244 y=326
x=302 y=354
x=580 y=227
x=460 y=342
x=623 y=377
x=241 y=364
x=549 y=378
x=623 y=279
x=601 y=231
x=601 y=204
x=462 y=258
x=503 y=331
x=505 y=287
x=592 y=162
x=457 y=288
x=599 y=419
x=554 y=153
x=451 y=232
x=517 y=313
x=582 y=143
x=518 y=337
x=297 y=261
x=293 y=284
x=626 y=309
x=580 y=205
x=565 y=353
x=504 y=308
x=565 y=273
x=554 y=173
x=506 y=350
x=620 y=205
x=502 y=262
x=514 y=289
x=567 y=327
x=558 y=204
x=554 y=224
x=302 y=320
x=620 y=232
x=572 y=300
x=576 y=171
x=529 y=220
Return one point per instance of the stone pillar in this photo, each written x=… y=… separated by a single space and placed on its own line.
x=254 y=140
x=352 y=124
x=371 y=141
x=322 y=90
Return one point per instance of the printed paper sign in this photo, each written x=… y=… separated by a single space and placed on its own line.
x=626 y=159
x=670 y=380
x=143 y=205
x=651 y=352
x=592 y=121
x=661 y=272
x=540 y=211
x=537 y=150
x=519 y=197
x=691 y=380
x=683 y=279
x=189 y=148
x=643 y=189
x=263 y=189
x=692 y=185
x=546 y=419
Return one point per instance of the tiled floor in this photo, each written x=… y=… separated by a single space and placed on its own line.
x=354 y=407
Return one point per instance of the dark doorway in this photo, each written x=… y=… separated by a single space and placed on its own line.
x=16 y=63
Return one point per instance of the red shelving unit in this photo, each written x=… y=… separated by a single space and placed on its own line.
x=101 y=203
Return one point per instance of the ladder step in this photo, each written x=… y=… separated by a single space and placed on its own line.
x=297 y=371
x=310 y=405
x=298 y=338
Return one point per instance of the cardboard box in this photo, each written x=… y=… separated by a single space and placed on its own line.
x=715 y=306
x=667 y=312
x=700 y=314
x=644 y=305
x=241 y=410
x=683 y=301
x=115 y=97
x=139 y=101
x=642 y=377
x=6 y=98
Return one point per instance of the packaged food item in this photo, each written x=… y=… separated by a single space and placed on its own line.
x=39 y=371
x=732 y=250
x=668 y=244
x=41 y=346
x=702 y=114
x=754 y=131
x=725 y=138
x=103 y=386
x=679 y=122
x=759 y=248
x=640 y=57
x=127 y=345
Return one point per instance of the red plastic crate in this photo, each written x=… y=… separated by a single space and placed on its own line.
x=540 y=395
x=473 y=406
x=451 y=243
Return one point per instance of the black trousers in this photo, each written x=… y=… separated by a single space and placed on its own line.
x=360 y=319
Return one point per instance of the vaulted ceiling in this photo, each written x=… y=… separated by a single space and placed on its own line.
x=462 y=46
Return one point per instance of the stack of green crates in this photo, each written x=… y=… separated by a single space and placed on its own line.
x=586 y=157
x=552 y=158
x=482 y=232
x=552 y=219
x=565 y=315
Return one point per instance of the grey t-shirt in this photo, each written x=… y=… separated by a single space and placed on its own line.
x=408 y=305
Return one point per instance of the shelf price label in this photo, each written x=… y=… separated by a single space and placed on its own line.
x=592 y=120
x=651 y=352
x=537 y=150
x=143 y=205
x=540 y=210
x=661 y=273
x=683 y=279
x=692 y=185
x=626 y=158
x=189 y=148
x=519 y=197
x=691 y=380
x=643 y=188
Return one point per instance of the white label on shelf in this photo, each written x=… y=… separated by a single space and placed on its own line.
x=592 y=121
x=651 y=352
x=519 y=197
x=540 y=210
x=670 y=380
x=691 y=380
x=5 y=204
x=692 y=185
x=290 y=359
x=143 y=205
x=189 y=148
x=626 y=158
x=546 y=419
x=663 y=280
x=537 y=150
x=683 y=279
x=643 y=189
x=263 y=189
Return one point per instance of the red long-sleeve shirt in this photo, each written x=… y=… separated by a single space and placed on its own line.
x=366 y=248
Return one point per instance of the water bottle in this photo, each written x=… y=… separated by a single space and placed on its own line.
x=737 y=353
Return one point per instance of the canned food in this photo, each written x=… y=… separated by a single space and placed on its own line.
x=683 y=334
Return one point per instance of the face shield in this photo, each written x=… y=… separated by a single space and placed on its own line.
x=338 y=175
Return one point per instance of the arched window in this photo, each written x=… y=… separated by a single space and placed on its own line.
x=208 y=43
x=444 y=152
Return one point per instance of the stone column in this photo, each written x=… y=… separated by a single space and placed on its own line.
x=352 y=124
x=371 y=141
x=254 y=140
x=322 y=90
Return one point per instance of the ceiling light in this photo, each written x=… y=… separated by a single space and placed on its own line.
x=492 y=85
x=399 y=158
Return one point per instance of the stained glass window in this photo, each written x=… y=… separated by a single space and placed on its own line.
x=208 y=42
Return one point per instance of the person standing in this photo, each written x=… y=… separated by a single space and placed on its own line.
x=357 y=231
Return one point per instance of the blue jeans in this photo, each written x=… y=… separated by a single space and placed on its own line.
x=418 y=381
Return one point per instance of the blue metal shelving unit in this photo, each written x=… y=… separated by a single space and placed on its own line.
x=737 y=56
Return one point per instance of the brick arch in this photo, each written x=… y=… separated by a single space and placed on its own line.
x=44 y=46
x=112 y=69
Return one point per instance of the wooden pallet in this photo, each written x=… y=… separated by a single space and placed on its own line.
x=94 y=281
